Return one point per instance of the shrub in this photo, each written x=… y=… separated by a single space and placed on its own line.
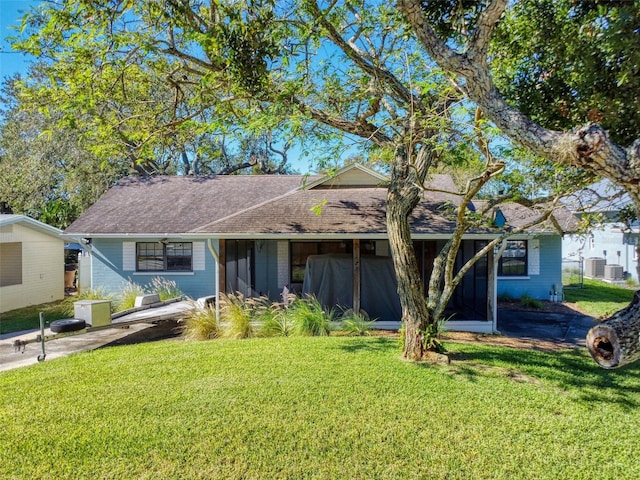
x=236 y=315
x=200 y=324
x=529 y=302
x=98 y=294
x=309 y=318
x=357 y=324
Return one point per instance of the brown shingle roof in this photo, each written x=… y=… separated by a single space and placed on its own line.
x=518 y=215
x=263 y=204
x=177 y=204
x=343 y=211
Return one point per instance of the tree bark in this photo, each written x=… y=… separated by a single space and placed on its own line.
x=616 y=342
x=402 y=197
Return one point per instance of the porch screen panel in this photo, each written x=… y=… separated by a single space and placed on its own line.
x=231 y=266
x=240 y=266
x=481 y=281
x=301 y=251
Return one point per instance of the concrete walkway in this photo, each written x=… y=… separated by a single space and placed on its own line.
x=138 y=326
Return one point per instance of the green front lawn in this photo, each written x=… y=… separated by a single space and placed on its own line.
x=318 y=408
x=28 y=318
x=599 y=299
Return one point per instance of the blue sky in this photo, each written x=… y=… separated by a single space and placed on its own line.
x=11 y=12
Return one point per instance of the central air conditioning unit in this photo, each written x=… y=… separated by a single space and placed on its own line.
x=614 y=273
x=594 y=267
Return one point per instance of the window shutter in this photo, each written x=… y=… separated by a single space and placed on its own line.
x=534 y=257
x=198 y=256
x=129 y=256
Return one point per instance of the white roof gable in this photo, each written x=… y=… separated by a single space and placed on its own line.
x=353 y=175
x=6 y=219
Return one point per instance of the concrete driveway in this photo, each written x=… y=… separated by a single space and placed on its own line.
x=569 y=327
x=137 y=327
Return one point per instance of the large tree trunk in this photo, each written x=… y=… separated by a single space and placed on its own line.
x=403 y=196
x=616 y=341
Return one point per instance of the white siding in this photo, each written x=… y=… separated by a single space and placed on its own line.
x=42 y=269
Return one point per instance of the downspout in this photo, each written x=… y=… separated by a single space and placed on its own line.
x=216 y=258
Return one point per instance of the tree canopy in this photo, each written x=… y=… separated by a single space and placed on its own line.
x=565 y=62
x=398 y=80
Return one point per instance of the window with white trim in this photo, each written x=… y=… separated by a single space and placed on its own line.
x=513 y=261
x=164 y=257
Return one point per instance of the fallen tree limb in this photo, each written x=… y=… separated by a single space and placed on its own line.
x=616 y=341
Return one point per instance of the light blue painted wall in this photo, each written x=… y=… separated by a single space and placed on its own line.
x=108 y=273
x=538 y=286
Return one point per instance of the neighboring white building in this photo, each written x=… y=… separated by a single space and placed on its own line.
x=608 y=252
x=31 y=262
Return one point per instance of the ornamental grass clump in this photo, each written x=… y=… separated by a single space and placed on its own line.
x=236 y=315
x=275 y=322
x=309 y=317
x=88 y=294
x=200 y=324
x=128 y=296
x=166 y=289
x=529 y=302
x=356 y=324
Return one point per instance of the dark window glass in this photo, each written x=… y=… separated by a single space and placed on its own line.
x=160 y=257
x=179 y=256
x=513 y=261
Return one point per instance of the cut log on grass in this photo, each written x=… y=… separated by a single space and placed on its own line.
x=616 y=341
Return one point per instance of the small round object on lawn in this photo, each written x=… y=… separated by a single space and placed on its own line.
x=67 y=325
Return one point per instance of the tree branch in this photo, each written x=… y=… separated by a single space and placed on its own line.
x=359 y=58
x=482 y=34
x=588 y=147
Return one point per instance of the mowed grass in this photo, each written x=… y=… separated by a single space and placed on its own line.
x=599 y=299
x=28 y=318
x=318 y=408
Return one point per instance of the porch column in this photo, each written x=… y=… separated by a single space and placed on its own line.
x=493 y=259
x=356 y=275
x=222 y=266
x=492 y=291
